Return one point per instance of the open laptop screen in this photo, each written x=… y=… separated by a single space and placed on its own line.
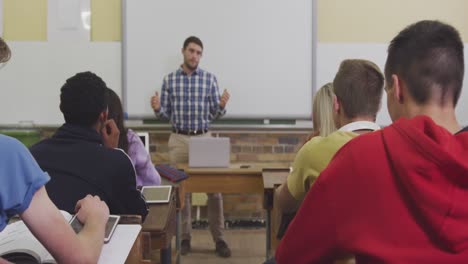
x=144 y=136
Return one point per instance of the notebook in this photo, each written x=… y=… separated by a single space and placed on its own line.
x=209 y=152
x=171 y=173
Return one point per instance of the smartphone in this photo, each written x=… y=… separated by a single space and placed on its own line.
x=110 y=226
x=157 y=194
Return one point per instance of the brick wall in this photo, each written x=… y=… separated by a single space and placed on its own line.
x=262 y=147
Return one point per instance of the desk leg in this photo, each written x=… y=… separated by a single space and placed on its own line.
x=268 y=234
x=178 y=232
x=166 y=255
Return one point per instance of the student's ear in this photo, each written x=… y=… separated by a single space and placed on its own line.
x=398 y=86
x=336 y=105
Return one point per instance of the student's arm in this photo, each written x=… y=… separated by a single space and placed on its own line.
x=290 y=194
x=145 y=171
x=49 y=226
x=216 y=109
x=130 y=199
x=284 y=200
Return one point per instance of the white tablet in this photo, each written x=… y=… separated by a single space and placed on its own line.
x=157 y=194
x=110 y=226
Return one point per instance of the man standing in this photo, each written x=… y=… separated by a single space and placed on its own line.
x=190 y=99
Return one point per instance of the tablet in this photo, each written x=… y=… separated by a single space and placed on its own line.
x=110 y=226
x=157 y=194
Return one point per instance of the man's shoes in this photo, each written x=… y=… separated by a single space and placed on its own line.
x=222 y=249
x=185 y=247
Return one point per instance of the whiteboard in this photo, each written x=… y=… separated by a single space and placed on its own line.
x=260 y=50
x=30 y=82
x=330 y=55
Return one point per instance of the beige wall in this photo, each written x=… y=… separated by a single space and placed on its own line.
x=26 y=20
x=381 y=20
x=106 y=20
x=338 y=20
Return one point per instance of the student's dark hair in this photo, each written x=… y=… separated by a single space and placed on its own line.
x=5 y=53
x=83 y=97
x=116 y=113
x=193 y=39
x=428 y=57
x=358 y=86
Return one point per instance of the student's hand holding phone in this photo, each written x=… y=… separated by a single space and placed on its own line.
x=156 y=102
x=224 y=99
x=92 y=210
x=110 y=134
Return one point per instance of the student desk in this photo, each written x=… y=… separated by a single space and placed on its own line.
x=237 y=178
x=136 y=253
x=272 y=178
x=160 y=223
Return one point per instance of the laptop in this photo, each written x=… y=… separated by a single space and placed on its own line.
x=144 y=137
x=209 y=152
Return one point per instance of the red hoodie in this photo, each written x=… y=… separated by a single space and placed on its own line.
x=398 y=195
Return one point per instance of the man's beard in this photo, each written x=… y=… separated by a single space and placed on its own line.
x=188 y=66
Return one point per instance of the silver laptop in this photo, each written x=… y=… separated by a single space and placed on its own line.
x=209 y=152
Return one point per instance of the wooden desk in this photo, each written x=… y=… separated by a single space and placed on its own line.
x=226 y=180
x=272 y=178
x=160 y=223
x=136 y=255
x=245 y=178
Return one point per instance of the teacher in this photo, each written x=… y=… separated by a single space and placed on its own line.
x=190 y=99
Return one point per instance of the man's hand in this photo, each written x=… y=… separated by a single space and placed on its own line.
x=224 y=99
x=91 y=208
x=110 y=134
x=156 y=102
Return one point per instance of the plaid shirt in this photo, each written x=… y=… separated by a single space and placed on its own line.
x=191 y=102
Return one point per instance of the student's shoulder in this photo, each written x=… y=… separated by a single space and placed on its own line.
x=334 y=139
x=364 y=144
x=117 y=160
x=11 y=145
x=132 y=134
x=115 y=154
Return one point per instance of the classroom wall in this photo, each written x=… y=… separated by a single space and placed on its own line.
x=381 y=20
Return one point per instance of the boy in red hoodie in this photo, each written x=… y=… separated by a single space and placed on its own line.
x=399 y=195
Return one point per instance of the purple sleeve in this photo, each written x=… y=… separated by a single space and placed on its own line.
x=146 y=174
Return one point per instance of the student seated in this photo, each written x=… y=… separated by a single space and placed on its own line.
x=131 y=143
x=358 y=89
x=81 y=157
x=322 y=112
x=397 y=195
x=22 y=192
